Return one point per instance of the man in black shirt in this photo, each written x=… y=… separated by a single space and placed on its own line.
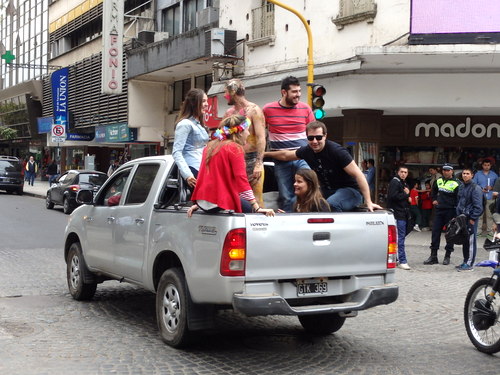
x=342 y=182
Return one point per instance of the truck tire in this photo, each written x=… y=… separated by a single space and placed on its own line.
x=322 y=324
x=172 y=301
x=75 y=270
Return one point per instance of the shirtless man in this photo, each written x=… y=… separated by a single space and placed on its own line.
x=234 y=93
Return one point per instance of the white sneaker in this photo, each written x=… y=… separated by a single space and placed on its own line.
x=417 y=228
x=404 y=266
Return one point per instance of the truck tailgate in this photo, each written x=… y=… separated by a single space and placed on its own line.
x=290 y=246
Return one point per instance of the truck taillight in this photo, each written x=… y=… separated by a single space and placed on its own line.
x=233 y=257
x=392 y=247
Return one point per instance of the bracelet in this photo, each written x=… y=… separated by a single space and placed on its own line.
x=256 y=209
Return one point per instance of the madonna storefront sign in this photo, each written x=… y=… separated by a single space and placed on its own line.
x=462 y=130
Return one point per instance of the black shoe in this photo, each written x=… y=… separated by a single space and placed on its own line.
x=431 y=260
x=446 y=261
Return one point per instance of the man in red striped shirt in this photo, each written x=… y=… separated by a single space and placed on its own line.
x=286 y=121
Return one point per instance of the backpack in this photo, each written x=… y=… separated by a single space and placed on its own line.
x=456 y=230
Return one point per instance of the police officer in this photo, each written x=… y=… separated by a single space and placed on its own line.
x=444 y=199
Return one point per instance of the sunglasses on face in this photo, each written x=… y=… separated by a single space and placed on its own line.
x=315 y=137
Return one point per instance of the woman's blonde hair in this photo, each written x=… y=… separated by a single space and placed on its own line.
x=215 y=145
x=313 y=199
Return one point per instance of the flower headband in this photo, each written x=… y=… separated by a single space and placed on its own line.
x=223 y=132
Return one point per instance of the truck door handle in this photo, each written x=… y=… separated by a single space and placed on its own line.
x=321 y=236
x=139 y=221
x=111 y=220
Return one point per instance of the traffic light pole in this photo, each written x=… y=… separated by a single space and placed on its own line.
x=310 y=61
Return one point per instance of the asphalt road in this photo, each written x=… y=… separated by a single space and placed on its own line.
x=44 y=331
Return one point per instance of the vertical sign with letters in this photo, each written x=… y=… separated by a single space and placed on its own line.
x=59 y=82
x=112 y=52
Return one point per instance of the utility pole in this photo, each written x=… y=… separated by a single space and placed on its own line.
x=310 y=61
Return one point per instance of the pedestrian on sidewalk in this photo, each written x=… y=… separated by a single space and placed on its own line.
x=31 y=170
x=486 y=179
x=426 y=206
x=444 y=198
x=470 y=204
x=398 y=200
x=52 y=171
x=415 y=206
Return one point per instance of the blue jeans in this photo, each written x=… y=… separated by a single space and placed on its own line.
x=284 y=171
x=343 y=199
x=401 y=224
x=31 y=177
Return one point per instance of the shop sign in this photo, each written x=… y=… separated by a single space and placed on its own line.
x=44 y=124
x=59 y=82
x=80 y=137
x=115 y=133
x=112 y=44
x=461 y=130
x=210 y=117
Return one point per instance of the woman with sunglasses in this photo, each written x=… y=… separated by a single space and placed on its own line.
x=222 y=179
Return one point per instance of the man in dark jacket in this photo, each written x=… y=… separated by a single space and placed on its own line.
x=398 y=195
x=470 y=204
x=444 y=199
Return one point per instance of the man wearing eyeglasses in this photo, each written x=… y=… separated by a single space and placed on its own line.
x=342 y=182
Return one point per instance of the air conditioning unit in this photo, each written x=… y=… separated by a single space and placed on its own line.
x=146 y=36
x=220 y=42
x=206 y=16
x=160 y=35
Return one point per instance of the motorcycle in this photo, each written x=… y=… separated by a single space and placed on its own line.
x=482 y=304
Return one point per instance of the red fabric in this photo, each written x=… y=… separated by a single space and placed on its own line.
x=224 y=178
x=414 y=197
x=426 y=201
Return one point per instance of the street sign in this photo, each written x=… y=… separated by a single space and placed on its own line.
x=58 y=133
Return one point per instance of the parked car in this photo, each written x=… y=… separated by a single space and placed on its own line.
x=11 y=176
x=63 y=190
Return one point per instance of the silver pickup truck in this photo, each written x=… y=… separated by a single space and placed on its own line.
x=322 y=267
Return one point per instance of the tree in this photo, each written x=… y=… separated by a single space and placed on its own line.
x=7 y=133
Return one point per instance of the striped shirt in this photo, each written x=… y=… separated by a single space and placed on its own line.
x=287 y=125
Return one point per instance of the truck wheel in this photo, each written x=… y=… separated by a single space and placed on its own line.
x=322 y=324
x=48 y=202
x=171 y=308
x=67 y=209
x=75 y=270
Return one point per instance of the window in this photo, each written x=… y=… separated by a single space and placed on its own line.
x=190 y=9
x=141 y=184
x=171 y=20
x=113 y=192
x=203 y=82
x=180 y=90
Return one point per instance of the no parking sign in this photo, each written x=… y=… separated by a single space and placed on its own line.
x=58 y=133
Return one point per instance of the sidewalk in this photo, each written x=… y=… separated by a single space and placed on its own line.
x=39 y=188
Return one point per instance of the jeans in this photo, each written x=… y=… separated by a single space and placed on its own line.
x=441 y=218
x=343 y=199
x=284 y=172
x=52 y=178
x=401 y=224
x=470 y=248
x=30 y=177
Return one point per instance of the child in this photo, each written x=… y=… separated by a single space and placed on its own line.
x=426 y=206
x=414 y=209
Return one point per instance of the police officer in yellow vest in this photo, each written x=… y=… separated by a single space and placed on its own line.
x=444 y=198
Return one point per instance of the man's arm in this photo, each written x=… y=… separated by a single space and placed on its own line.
x=284 y=155
x=353 y=170
x=258 y=123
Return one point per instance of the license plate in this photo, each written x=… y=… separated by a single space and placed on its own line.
x=311 y=287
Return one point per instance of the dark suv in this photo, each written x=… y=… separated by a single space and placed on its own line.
x=11 y=177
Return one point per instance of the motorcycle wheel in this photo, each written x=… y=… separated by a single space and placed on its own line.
x=485 y=340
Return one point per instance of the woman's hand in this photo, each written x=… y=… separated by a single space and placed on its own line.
x=191 y=181
x=266 y=211
x=192 y=209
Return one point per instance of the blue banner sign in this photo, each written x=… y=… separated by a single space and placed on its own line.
x=79 y=137
x=115 y=133
x=59 y=82
x=44 y=124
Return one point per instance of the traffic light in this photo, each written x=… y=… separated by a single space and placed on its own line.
x=317 y=101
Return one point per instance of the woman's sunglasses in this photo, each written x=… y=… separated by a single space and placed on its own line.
x=315 y=137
